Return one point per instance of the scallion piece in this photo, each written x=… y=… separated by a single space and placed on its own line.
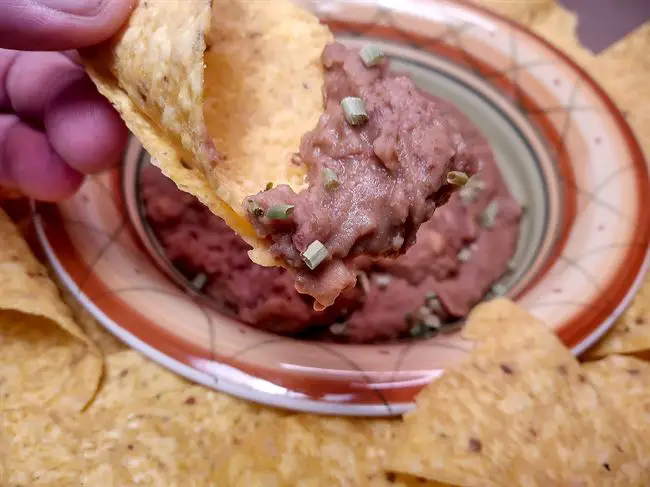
x=315 y=254
x=354 y=110
x=382 y=280
x=499 y=289
x=489 y=215
x=330 y=179
x=269 y=185
x=457 y=178
x=254 y=208
x=371 y=55
x=199 y=281
x=338 y=328
x=279 y=212
x=464 y=255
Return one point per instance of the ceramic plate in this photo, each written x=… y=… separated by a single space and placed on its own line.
x=565 y=150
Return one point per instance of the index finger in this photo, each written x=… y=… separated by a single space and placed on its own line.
x=46 y=25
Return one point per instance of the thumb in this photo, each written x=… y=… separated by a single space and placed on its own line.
x=53 y=25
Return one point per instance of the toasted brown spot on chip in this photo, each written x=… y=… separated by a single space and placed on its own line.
x=562 y=369
x=506 y=369
x=124 y=372
x=633 y=371
x=190 y=401
x=390 y=476
x=474 y=445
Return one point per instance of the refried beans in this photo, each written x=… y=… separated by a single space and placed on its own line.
x=458 y=257
x=377 y=166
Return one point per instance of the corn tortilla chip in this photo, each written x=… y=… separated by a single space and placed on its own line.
x=106 y=343
x=170 y=439
x=26 y=285
x=631 y=332
x=131 y=379
x=220 y=121
x=45 y=358
x=43 y=366
x=525 y=11
x=519 y=411
x=625 y=383
x=312 y=451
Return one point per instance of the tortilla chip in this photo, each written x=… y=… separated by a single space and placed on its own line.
x=523 y=11
x=42 y=366
x=132 y=379
x=519 y=411
x=107 y=343
x=314 y=451
x=169 y=440
x=631 y=333
x=625 y=383
x=45 y=358
x=225 y=137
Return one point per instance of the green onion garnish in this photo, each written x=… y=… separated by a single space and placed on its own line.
x=362 y=277
x=382 y=280
x=199 y=281
x=338 y=328
x=499 y=289
x=457 y=178
x=397 y=242
x=354 y=110
x=489 y=215
x=254 y=208
x=464 y=255
x=279 y=212
x=330 y=179
x=432 y=322
x=371 y=55
x=269 y=185
x=315 y=254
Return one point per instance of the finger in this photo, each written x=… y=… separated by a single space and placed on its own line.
x=34 y=79
x=84 y=128
x=44 y=25
x=29 y=164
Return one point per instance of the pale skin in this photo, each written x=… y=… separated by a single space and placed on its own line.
x=55 y=128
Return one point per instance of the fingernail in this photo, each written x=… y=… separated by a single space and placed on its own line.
x=84 y=8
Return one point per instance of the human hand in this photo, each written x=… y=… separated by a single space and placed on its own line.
x=54 y=126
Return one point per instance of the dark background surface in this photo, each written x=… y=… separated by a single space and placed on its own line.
x=603 y=22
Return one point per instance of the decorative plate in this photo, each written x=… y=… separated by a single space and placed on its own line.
x=565 y=150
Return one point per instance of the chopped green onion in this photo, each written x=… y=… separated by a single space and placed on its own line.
x=199 y=281
x=382 y=280
x=417 y=330
x=254 y=208
x=397 y=242
x=499 y=289
x=354 y=110
x=433 y=322
x=371 y=55
x=433 y=303
x=457 y=178
x=489 y=215
x=269 y=185
x=338 y=328
x=315 y=254
x=330 y=179
x=430 y=296
x=364 y=282
x=279 y=212
x=464 y=255
x=423 y=312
